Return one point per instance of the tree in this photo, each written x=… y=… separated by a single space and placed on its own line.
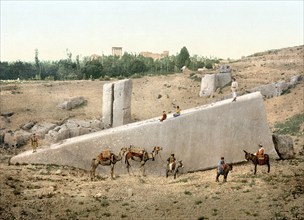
x=183 y=58
x=93 y=69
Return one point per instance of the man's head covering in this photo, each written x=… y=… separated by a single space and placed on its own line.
x=260 y=145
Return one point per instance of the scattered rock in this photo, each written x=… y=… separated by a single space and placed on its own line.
x=283 y=145
x=72 y=103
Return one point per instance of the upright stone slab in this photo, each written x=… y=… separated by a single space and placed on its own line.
x=199 y=137
x=107 y=104
x=211 y=82
x=208 y=85
x=122 y=102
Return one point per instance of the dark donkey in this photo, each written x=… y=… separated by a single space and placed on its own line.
x=226 y=168
x=256 y=161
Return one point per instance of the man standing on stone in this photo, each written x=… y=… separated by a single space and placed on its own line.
x=234 y=88
x=34 y=142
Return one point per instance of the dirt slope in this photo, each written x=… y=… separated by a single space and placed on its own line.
x=56 y=192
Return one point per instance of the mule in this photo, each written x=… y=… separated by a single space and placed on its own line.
x=226 y=168
x=173 y=168
x=256 y=161
x=106 y=161
x=141 y=156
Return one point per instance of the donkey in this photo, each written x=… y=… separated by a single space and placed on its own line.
x=106 y=161
x=256 y=161
x=141 y=156
x=173 y=168
x=226 y=168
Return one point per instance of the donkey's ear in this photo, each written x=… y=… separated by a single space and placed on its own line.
x=245 y=151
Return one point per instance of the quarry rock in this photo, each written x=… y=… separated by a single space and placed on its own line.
x=223 y=128
x=117 y=103
x=211 y=82
x=72 y=103
x=42 y=129
x=122 y=102
x=107 y=103
x=284 y=146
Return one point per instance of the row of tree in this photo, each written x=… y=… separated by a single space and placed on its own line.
x=101 y=67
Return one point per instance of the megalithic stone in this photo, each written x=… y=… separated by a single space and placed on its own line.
x=122 y=102
x=107 y=104
x=116 y=104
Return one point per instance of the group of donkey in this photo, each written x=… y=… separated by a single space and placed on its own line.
x=142 y=156
x=131 y=153
x=249 y=157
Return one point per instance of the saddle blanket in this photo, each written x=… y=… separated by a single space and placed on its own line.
x=106 y=153
x=137 y=150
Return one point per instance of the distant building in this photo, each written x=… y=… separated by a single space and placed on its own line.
x=117 y=51
x=95 y=57
x=155 y=56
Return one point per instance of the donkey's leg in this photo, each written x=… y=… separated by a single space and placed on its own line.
x=142 y=167
x=112 y=171
x=255 y=168
x=225 y=177
x=94 y=165
x=217 y=176
x=268 y=164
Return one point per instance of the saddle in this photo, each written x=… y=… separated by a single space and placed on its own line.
x=137 y=150
x=261 y=160
x=105 y=155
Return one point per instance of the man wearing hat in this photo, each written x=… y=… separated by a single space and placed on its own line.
x=221 y=165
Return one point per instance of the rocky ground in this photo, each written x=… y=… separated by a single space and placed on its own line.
x=62 y=192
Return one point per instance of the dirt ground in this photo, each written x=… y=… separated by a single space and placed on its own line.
x=62 y=192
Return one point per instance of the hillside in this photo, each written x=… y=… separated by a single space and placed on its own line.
x=56 y=192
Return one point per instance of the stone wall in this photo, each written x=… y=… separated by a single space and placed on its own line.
x=200 y=136
x=116 y=104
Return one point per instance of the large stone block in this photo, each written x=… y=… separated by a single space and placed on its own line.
x=211 y=82
x=208 y=85
x=199 y=137
x=107 y=103
x=122 y=102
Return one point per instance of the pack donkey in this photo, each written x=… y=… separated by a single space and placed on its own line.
x=173 y=168
x=106 y=160
x=226 y=168
x=256 y=161
x=140 y=155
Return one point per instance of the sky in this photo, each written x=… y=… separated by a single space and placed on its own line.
x=222 y=29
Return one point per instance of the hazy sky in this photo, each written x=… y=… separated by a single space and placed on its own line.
x=225 y=29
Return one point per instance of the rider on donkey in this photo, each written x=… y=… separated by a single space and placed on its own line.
x=221 y=165
x=260 y=152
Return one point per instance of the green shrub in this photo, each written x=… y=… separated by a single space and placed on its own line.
x=291 y=126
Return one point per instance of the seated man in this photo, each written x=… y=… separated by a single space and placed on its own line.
x=171 y=160
x=164 y=117
x=221 y=165
x=177 y=112
x=260 y=152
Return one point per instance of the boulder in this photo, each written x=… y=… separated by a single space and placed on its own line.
x=21 y=137
x=2 y=133
x=283 y=145
x=42 y=129
x=9 y=139
x=72 y=103
x=29 y=125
